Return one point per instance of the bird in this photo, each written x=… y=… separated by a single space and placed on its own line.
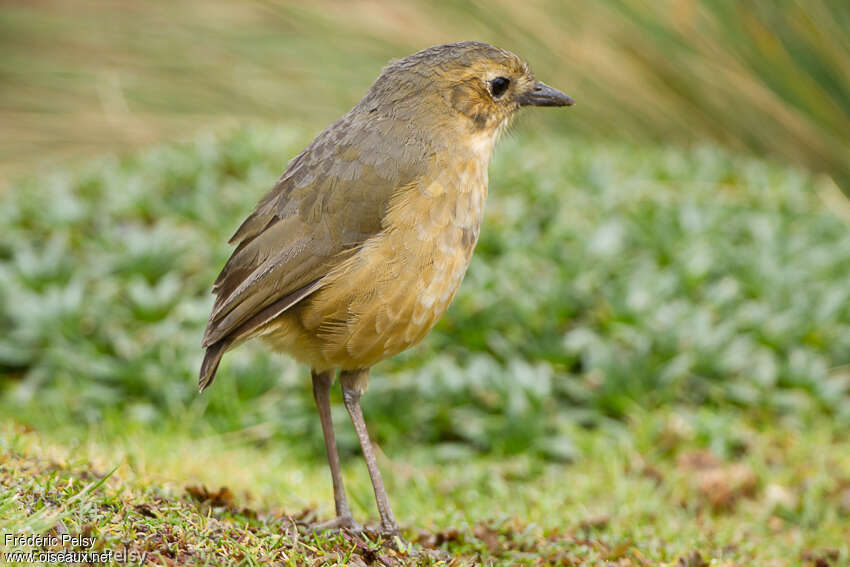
x=360 y=246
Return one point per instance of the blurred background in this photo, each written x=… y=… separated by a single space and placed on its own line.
x=771 y=78
x=676 y=242
x=638 y=274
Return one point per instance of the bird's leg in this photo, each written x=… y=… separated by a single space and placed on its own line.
x=321 y=393
x=354 y=383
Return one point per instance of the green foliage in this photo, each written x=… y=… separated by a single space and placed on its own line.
x=606 y=276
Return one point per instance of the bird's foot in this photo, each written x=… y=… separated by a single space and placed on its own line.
x=345 y=522
x=392 y=534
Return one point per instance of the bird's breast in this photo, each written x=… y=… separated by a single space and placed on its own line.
x=394 y=290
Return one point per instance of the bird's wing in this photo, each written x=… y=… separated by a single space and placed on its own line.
x=331 y=198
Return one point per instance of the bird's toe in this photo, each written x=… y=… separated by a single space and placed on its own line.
x=392 y=534
x=338 y=523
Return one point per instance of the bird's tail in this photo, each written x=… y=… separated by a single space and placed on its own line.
x=210 y=363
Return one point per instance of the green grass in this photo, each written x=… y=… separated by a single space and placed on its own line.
x=652 y=493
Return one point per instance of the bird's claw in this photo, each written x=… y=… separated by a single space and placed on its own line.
x=339 y=523
x=392 y=534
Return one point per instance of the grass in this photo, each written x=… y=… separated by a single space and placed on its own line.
x=656 y=493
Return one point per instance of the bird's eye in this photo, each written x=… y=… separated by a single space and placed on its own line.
x=498 y=86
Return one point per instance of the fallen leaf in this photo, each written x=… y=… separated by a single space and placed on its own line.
x=693 y=559
x=719 y=484
x=222 y=497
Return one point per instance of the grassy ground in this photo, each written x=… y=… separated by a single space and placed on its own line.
x=653 y=494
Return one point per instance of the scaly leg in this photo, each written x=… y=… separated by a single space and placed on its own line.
x=354 y=383
x=321 y=393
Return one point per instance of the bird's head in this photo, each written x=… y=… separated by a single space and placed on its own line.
x=469 y=87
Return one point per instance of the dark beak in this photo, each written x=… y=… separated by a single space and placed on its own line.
x=544 y=95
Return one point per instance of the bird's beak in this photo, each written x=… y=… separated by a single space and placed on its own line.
x=544 y=95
